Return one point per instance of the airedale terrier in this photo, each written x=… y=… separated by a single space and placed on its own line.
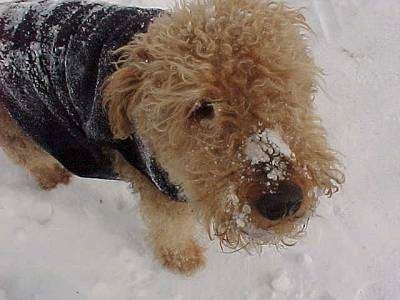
x=207 y=109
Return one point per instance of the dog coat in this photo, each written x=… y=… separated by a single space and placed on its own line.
x=54 y=58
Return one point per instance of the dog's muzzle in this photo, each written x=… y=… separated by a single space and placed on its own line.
x=285 y=202
x=271 y=158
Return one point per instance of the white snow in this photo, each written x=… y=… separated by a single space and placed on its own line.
x=275 y=138
x=268 y=148
x=86 y=240
x=261 y=145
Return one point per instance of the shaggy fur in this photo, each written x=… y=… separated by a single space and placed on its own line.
x=201 y=81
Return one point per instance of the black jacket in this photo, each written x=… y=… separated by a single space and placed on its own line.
x=54 y=58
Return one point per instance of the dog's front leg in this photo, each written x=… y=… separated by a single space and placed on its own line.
x=171 y=224
x=171 y=230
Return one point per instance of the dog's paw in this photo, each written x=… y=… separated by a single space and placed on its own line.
x=49 y=178
x=185 y=260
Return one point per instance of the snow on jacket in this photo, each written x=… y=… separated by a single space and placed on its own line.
x=54 y=58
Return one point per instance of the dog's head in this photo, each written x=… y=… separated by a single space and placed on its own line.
x=222 y=91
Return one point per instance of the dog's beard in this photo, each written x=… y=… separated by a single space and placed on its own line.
x=266 y=151
x=236 y=230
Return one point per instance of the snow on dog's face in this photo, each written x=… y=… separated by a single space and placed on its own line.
x=222 y=92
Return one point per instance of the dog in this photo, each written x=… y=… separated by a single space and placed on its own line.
x=206 y=109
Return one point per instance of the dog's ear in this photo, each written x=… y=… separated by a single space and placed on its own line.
x=118 y=100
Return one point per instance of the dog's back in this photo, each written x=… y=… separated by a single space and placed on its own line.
x=54 y=58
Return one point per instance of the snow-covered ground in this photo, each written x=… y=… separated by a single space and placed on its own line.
x=86 y=240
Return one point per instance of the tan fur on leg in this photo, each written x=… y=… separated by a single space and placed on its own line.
x=25 y=152
x=170 y=224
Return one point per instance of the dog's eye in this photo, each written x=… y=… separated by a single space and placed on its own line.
x=202 y=111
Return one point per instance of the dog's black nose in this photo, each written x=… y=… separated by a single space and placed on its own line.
x=285 y=202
